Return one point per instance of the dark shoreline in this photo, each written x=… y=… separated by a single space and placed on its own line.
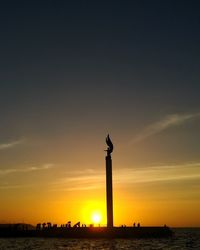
x=90 y=232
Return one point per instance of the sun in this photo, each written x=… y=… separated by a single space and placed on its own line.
x=93 y=212
x=96 y=217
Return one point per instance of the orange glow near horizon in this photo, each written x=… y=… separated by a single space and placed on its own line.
x=141 y=207
x=74 y=191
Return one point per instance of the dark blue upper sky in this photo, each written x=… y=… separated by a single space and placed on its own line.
x=87 y=66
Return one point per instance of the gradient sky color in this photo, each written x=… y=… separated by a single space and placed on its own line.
x=72 y=72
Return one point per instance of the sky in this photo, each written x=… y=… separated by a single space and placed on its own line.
x=73 y=71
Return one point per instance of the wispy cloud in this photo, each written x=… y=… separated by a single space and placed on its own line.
x=11 y=144
x=151 y=174
x=80 y=180
x=165 y=123
x=25 y=170
x=11 y=186
x=162 y=173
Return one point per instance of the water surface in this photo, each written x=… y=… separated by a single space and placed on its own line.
x=183 y=239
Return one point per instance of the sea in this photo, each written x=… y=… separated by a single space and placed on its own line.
x=184 y=238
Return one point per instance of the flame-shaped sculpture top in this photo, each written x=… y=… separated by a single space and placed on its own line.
x=110 y=145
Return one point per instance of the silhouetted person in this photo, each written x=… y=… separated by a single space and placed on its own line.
x=138 y=224
x=77 y=224
x=134 y=224
x=48 y=224
x=68 y=225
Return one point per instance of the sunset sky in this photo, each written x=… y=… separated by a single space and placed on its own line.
x=73 y=71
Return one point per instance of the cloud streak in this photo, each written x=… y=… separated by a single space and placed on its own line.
x=165 y=123
x=25 y=170
x=11 y=144
x=152 y=174
x=8 y=186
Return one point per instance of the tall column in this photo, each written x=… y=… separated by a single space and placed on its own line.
x=109 y=194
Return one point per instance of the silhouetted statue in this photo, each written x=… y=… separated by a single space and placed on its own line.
x=110 y=145
x=109 y=193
